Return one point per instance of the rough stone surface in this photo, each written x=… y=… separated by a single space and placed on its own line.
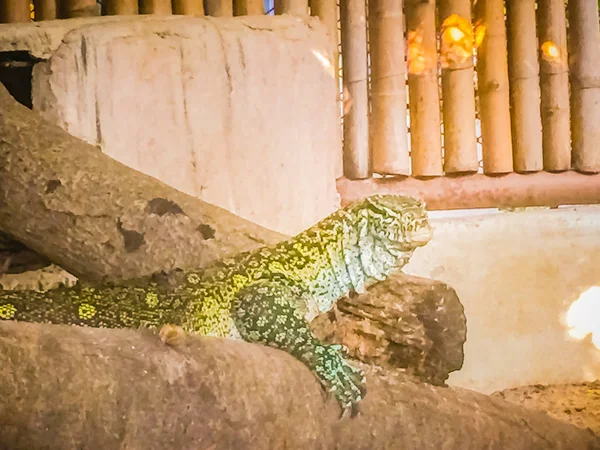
x=241 y=112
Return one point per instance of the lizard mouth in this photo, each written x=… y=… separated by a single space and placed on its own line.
x=421 y=236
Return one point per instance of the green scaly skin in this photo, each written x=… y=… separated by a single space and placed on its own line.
x=266 y=296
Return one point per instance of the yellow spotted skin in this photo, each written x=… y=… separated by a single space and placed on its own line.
x=266 y=296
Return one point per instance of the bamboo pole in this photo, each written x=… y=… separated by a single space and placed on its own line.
x=388 y=133
x=458 y=93
x=156 y=7
x=424 y=100
x=492 y=76
x=524 y=72
x=483 y=191
x=249 y=7
x=554 y=81
x=298 y=7
x=14 y=11
x=188 y=7
x=68 y=9
x=584 y=59
x=120 y=7
x=219 y=8
x=44 y=9
x=327 y=12
x=354 y=67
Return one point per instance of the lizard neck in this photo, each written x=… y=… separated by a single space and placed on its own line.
x=343 y=257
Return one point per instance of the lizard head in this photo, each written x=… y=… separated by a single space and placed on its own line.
x=398 y=221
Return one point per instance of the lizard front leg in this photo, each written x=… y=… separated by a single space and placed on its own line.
x=271 y=313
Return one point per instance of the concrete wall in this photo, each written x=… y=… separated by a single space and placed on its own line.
x=517 y=273
x=241 y=112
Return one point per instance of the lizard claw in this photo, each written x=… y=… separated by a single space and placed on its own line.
x=346 y=383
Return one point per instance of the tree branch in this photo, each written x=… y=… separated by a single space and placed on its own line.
x=72 y=387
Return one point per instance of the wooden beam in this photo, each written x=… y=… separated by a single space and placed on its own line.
x=14 y=11
x=482 y=191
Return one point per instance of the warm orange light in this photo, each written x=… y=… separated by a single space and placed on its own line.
x=457 y=40
x=480 y=30
x=415 y=56
x=583 y=316
x=550 y=51
x=455 y=34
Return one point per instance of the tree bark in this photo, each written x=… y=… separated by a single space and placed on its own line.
x=97 y=218
x=72 y=387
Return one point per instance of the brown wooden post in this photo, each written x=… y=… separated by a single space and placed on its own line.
x=584 y=62
x=156 y=7
x=354 y=67
x=388 y=132
x=68 y=9
x=458 y=93
x=554 y=81
x=492 y=76
x=249 y=7
x=120 y=7
x=424 y=99
x=14 y=11
x=298 y=7
x=44 y=9
x=524 y=71
x=188 y=7
x=219 y=8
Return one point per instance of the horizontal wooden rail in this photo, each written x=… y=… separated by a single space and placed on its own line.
x=482 y=191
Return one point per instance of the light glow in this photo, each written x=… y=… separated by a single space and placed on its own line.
x=583 y=316
x=415 y=54
x=457 y=40
x=325 y=62
x=550 y=51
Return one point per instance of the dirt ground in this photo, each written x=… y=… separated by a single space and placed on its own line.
x=578 y=404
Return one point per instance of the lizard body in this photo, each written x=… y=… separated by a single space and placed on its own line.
x=265 y=296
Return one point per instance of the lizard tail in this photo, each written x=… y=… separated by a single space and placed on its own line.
x=108 y=307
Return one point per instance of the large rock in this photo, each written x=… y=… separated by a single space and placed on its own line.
x=239 y=112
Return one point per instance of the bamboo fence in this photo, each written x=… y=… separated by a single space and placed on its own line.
x=444 y=97
x=524 y=73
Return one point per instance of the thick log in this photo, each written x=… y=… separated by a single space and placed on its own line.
x=407 y=322
x=97 y=218
x=71 y=387
x=481 y=191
